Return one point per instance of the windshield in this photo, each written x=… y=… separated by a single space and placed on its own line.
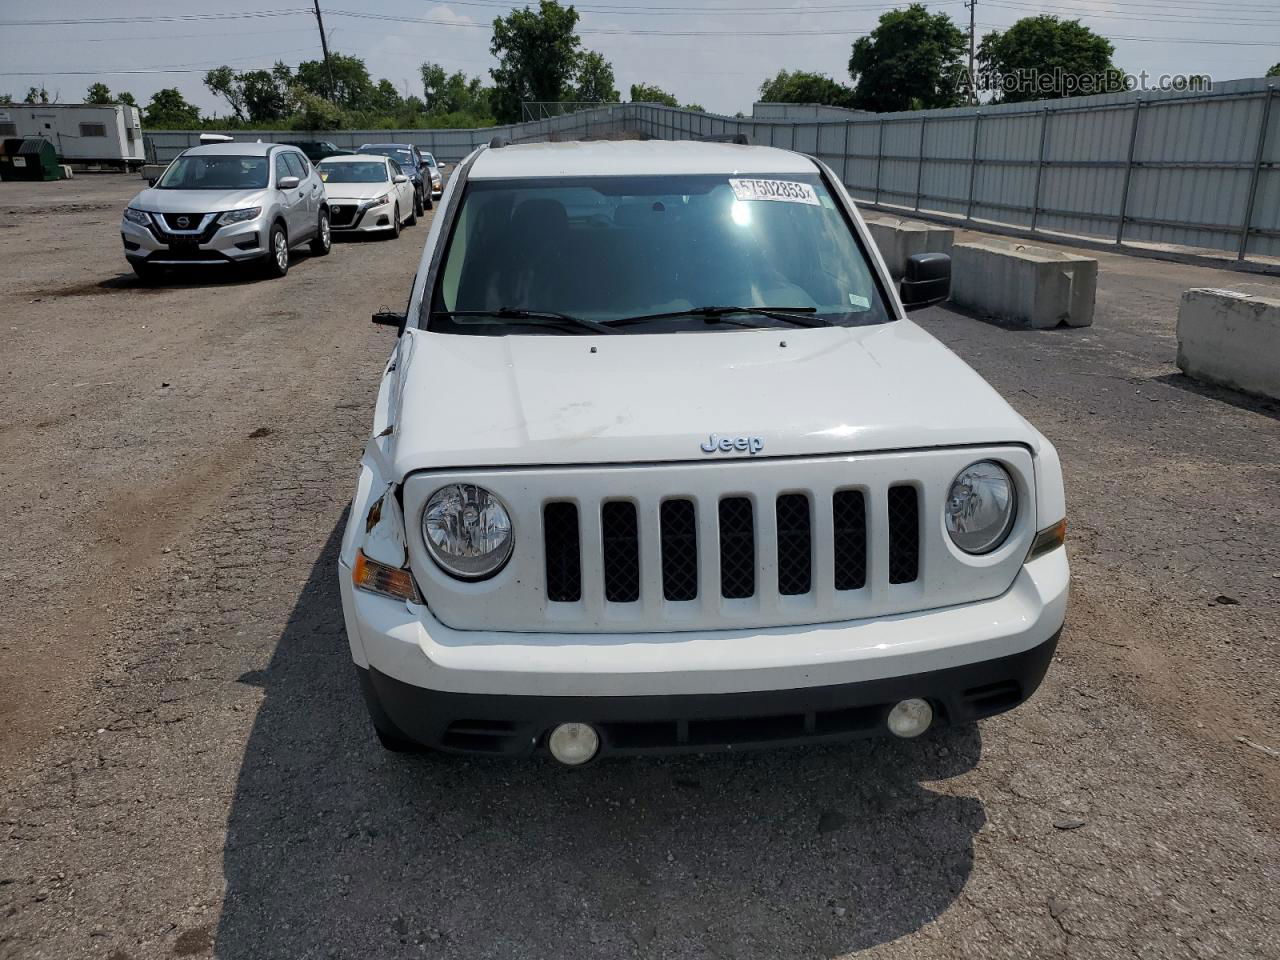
x=359 y=171
x=429 y=159
x=607 y=248
x=215 y=172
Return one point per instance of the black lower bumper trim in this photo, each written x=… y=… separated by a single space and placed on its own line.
x=518 y=725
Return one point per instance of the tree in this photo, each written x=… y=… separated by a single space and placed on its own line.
x=538 y=57
x=36 y=95
x=595 y=80
x=1274 y=71
x=6 y=99
x=225 y=82
x=124 y=96
x=448 y=93
x=910 y=61
x=314 y=112
x=648 y=93
x=98 y=93
x=802 y=87
x=352 y=86
x=169 y=109
x=1045 y=58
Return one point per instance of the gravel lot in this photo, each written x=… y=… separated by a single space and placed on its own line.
x=188 y=770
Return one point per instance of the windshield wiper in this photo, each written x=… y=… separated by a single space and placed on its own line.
x=545 y=316
x=793 y=315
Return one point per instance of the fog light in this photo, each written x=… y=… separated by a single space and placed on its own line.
x=573 y=743
x=910 y=718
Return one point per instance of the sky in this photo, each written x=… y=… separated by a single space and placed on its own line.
x=711 y=52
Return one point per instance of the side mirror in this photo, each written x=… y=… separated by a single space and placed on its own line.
x=389 y=318
x=927 y=280
x=401 y=178
x=287 y=183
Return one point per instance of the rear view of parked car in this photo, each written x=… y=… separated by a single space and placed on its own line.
x=317 y=150
x=368 y=194
x=227 y=203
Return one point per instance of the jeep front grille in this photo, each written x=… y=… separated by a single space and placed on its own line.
x=724 y=544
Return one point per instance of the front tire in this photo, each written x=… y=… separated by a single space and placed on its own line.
x=324 y=237
x=417 y=206
x=277 y=262
x=395 y=222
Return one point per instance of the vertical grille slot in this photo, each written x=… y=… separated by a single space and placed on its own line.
x=849 y=513
x=562 y=545
x=795 y=545
x=679 y=550
x=904 y=534
x=621 y=537
x=737 y=549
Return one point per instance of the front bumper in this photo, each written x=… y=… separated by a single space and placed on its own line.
x=366 y=220
x=232 y=243
x=489 y=692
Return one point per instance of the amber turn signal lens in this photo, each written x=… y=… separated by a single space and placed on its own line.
x=378 y=578
x=1050 y=538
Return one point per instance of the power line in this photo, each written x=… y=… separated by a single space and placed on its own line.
x=172 y=18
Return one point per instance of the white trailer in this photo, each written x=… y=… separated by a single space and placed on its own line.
x=81 y=132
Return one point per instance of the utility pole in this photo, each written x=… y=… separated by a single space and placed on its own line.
x=328 y=67
x=973 y=85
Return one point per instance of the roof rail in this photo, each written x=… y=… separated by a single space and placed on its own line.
x=497 y=143
x=740 y=139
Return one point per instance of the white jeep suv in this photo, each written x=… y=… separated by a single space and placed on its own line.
x=659 y=464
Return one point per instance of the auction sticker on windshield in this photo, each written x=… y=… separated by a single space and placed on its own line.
x=789 y=191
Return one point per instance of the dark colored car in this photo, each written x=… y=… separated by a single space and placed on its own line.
x=414 y=164
x=317 y=150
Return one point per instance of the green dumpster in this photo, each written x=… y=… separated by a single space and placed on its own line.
x=31 y=158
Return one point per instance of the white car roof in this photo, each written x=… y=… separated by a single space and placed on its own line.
x=606 y=158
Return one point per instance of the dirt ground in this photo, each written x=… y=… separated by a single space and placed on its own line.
x=188 y=771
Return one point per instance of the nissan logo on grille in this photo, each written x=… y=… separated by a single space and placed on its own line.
x=183 y=221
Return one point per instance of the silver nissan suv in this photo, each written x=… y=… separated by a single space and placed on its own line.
x=227 y=203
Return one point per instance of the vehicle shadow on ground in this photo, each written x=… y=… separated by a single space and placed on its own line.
x=337 y=849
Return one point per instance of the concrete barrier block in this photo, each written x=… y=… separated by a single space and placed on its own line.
x=1231 y=339
x=1020 y=283
x=67 y=172
x=898 y=239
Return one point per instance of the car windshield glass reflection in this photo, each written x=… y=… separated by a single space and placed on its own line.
x=366 y=172
x=668 y=253
x=215 y=173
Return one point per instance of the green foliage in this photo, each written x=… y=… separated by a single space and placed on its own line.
x=36 y=95
x=802 y=87
x=452 y=93
x=169 y=109
x=595 y=80
x=314 y=112
x=538 y=57
x=911 y=60
x=1045 y=58
x=1274 y=71
x=648 y=93
x=98 y=93
x=6 y=99
x=124 y=96
x=352 y=87
x=224 y=82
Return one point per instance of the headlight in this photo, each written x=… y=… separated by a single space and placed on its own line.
x=239 y=216
x=136 y=216
x=981 y=507
x=378 y=201
x=467 y=530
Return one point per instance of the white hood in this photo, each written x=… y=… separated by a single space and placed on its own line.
x=471 y=401
x=356 y=191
